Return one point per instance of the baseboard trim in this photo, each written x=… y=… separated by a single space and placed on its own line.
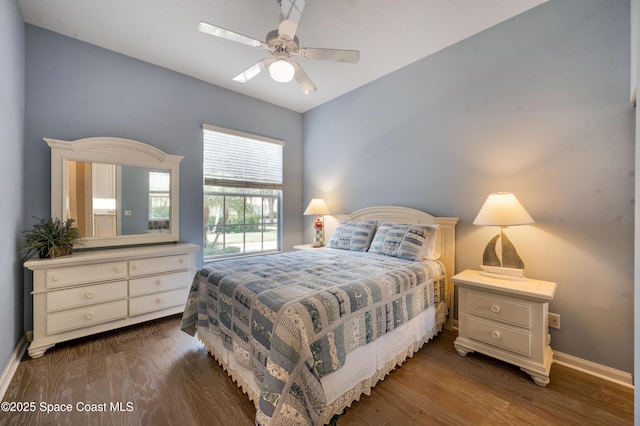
x=12 y=366
x=607 y=373
x=602 y=371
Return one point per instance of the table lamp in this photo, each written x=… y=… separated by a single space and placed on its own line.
x=318 y=207
x=500 y=258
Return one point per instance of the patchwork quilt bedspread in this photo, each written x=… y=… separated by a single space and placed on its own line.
x=293 y=317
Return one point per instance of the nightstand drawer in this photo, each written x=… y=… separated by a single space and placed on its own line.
x=499 y=335
x=499 y=308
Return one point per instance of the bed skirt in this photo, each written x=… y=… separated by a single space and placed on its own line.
x=364 y=366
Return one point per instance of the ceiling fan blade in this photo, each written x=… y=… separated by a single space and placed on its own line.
x=338 y=55
x=290 y=14
x=303 y=79
x=253 y=70
x=229 y=35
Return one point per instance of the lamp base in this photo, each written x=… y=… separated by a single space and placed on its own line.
x=511 y=274
x=318 y=240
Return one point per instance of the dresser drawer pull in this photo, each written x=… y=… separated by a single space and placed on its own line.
x=89 y=315
x=495 y=334
x=160 y=300
x=136 y=267
x=89 y=294
x=160 y=282
x=495 y=309
x=118 y=270
x=56 y=278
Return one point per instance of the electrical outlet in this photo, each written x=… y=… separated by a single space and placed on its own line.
x=554 y=320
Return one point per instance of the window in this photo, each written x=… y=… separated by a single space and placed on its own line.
x=242 y=192
x=159 y=188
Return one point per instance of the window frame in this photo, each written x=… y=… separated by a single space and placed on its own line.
x=159 y=193
x=234 y=188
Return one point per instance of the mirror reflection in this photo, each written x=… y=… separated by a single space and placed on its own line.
x=109 y=200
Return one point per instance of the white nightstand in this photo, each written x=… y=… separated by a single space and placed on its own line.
x=306 y=247
x=507 y=320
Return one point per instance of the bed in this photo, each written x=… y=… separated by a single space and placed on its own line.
x=306 y=333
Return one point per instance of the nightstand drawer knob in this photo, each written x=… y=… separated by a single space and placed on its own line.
x=89 y=316
x=495 y=309
x=495 y=334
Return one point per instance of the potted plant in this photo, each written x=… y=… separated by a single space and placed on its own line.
x=51 y=237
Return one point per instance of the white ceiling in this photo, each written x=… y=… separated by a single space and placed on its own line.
x=389 y=35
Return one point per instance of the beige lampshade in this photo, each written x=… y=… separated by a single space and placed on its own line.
x=502 y=209
x=317 y=207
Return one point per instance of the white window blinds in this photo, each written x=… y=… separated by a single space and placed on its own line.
x=159 y=182
x=241 y=160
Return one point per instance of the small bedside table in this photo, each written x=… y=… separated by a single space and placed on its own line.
x=306 y=247
x=507 y=320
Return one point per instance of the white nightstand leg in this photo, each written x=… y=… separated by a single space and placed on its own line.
x=538 y=379
x=462 y=350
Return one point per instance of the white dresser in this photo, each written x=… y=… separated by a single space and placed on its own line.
x=93 y=291
x=507 y=320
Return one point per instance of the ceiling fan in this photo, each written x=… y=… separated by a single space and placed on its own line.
x=283 y=44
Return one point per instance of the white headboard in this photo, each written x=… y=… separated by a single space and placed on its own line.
x=446 y=236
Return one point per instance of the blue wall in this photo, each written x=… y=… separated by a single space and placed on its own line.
x=76 y=90
x=12 y=41
x=134 y=181
x=538 y=105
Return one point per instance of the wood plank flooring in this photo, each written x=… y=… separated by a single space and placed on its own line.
x=157 y=375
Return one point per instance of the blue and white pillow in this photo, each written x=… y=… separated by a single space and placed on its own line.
x=378 y=239
x=354 y=236
x=412 y=242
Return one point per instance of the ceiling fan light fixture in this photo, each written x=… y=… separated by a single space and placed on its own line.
x=281 y=70
x=283 y=43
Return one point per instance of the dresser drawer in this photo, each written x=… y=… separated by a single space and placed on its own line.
x=86 y=295
x=158 y=264
x=61 y=277
x=158 y=301
x=498 y=335
x=86 y=316
x=502 y=309
x=158 y=283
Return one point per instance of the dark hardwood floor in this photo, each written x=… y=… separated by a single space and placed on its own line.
x=154 y=374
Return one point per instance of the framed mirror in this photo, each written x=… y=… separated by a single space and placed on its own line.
x=120 y=191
